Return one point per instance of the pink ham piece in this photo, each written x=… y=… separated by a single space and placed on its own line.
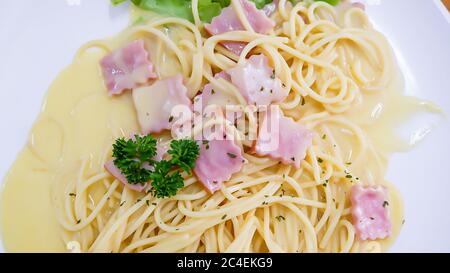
x=219 y=159
x=161 y=150
x=228 y=20
x=270 y=8
x=359 y=5
x=370 y=212
x=155 y=104
x=127 y=67
x=283 y=139
x=114 y=171
x=209 y=96
x=257 y=82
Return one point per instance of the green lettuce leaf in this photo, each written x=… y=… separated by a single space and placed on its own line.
x=208 y=9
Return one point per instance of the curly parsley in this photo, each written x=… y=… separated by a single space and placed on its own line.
x=131 y=155
x=134 y=157
x=165 y=184
x=184 y=154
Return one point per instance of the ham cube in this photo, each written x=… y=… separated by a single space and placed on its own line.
x=257 y=82
x=127 y=67
x=282 y=138
x=155 y=104
x=370 y=212
x=228 y=21
x=219 y=159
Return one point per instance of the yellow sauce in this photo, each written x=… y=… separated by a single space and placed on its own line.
x=74 y=123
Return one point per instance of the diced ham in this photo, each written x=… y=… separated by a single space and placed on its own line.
x=370 y=212
x=155 y=104
x=209 y=96
x=219 y=159
x=282 y=138
x=161 y=150
x=228 y=20
x=127 y=67
x=270 y=8
x=257 y=82
x=234 y=47
x=114 y=171
x=359 y=5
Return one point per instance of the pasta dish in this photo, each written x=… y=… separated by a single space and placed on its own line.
x=221 y=126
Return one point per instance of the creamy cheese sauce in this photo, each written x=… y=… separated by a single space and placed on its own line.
x=78 y=117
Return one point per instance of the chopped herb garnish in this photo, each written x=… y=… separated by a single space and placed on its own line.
x=130 y=156
x=320 y=160
x=303 y=102
x=231 y=155
x=123 y=203
x=165 y=184
x=280 y=218
x=273 y=76
x=385 y=204
x=184 y=154
x=72 y=194
x=223 y=217
x=134 y=155
x=147 y=202
x=171 y=119
x=78 y=221
x=348 y=176
x=213 y=92
x=324 y=136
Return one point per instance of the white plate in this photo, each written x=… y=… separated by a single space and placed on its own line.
x=39 y=38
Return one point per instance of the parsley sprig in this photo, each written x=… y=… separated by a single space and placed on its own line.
x=184 y=154
x=165 y=184
x=131 y=155
x=134 y=157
